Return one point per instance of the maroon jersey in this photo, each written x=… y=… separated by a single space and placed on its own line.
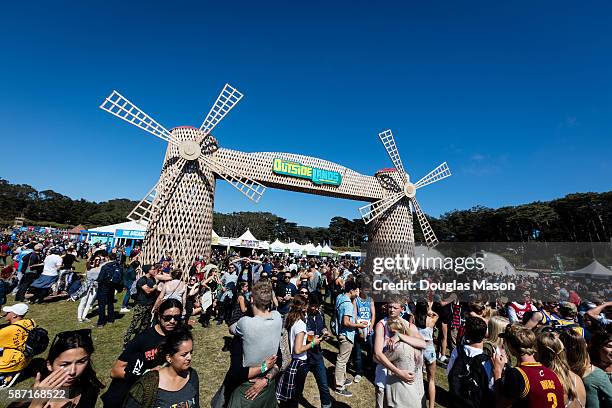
x=542 y=388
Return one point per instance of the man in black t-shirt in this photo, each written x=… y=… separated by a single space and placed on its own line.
x=285 y=291
x=146 y=293
x=140 y=354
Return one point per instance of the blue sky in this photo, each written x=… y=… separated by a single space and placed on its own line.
x=516 y=97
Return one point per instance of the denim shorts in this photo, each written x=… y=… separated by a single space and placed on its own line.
x=429 y=355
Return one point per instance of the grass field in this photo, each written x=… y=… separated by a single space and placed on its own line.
x=209 y=360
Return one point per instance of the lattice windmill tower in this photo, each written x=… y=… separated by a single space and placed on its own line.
x=389 y=219
x=178 y=209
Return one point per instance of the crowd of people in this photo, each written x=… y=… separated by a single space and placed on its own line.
x=280 y=311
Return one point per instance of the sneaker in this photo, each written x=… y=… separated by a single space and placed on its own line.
x=348 y=382
x=344 y=392
x=357 y=379
x=80 y=320
x=124 y=310
x=443 y=359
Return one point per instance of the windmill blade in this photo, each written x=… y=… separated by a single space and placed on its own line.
x=388 y=141
x=249 y=187
x=157 y=198
x=373 y=210
x=227 y=99
x=143 y=212
x=430 y=237
x=119 y=106
x=437 y=174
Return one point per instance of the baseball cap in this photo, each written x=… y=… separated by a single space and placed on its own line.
x=19 y=309
x=570 y=307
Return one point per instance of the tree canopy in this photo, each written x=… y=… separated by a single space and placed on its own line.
x=580 y=217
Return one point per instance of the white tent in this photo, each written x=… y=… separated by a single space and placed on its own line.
x=327 y=250
x=247 y=240
x=277 y=246
x=495 y=264
x=215 y=238
x=350 y=254
x=264 y=245
x=319 y=249
x=310 y=249
x=295 y=248
x=128 y=225
x=593 y=270
x=431 y=257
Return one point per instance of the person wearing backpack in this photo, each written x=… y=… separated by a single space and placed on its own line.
x=13 y=338
x=111 y=276
x=470 y=369
x=344 y=328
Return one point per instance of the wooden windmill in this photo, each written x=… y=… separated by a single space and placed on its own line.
x=178 y=209
x=399 y=191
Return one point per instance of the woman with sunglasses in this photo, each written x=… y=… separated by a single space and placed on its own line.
x=176 y=384
x=68 y=373
x=140 y=354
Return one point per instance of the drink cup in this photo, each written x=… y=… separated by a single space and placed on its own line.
x=310 y=336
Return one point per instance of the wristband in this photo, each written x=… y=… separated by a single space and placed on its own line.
x=264 y=367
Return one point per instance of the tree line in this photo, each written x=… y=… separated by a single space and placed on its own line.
x=580 y=217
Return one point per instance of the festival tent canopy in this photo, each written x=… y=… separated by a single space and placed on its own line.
x=351 y=254
x=326 y=250
x=319 y=249
x=496 y=264
x=129 y=225
x=310 y=249
x=277 y=246
x=294 y=248
x=264 y=245
x=214 y=238
x=246 y=240
x=593 y=270
x=76 y=230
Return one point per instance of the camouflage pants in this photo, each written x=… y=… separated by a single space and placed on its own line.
x=141 y=320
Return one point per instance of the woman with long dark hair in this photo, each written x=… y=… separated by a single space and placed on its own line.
x=291 y=384
x=176 y=383
x=68 y=374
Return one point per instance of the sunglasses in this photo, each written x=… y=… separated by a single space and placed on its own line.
x=66 y=334
x=167 y=318
x=303 y=292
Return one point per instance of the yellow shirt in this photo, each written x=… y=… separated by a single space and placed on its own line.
x=12 y=341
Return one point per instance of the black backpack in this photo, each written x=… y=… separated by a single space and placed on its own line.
x=468 y=381
x=36 y=342
x=111 y=273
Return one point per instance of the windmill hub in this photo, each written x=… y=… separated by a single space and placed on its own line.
x=189 y=149
x=410 y=190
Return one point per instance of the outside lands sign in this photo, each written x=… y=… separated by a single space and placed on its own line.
x=317 y=176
